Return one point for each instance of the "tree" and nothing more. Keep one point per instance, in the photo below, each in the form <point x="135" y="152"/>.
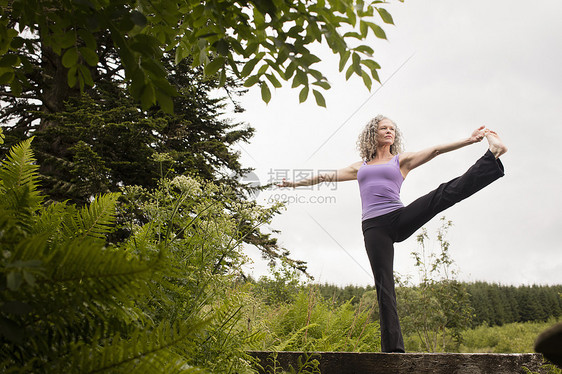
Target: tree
<point x="438" y="309"/>
<point x="103" y="140"/>
<point x="261" y="41"/>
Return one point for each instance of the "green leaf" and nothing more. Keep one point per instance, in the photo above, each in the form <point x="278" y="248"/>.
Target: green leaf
<point x="89" y="55"/>
<point x="290" y="70"/>
<point x="222" y="78"/>
<point x="364" y="49"/>
<point x="236" y="46"/>
<point x="300" y="79"/>
<point x="379" y="32"/>
<point x="72" y="76"/>
<point x="15" y="86"/>
<point x="7" y="78"/>
<point x="310" y="59"/>
<point x="148" y="96"/>
<point x="9" y="60"/>
<point x="350" y="12"/>
<point x="137" y="83"/>
<point x="251" y="81"/>
<point x="319" y="98"/>
<point x="249" y="66"/>
<point x="164" y="85"/>
<point x="165" y="101"/>
<point x="263" y="69"/>
<point x="367" y="80"/>
<point x="214" y="66"/>
<point x="88" y="39"/>
<point x="251" y="48"/>
<point x="386" y="17"/>
<point x="17" y="43"/>
<point x="274" y="80"/>
<point x="86" y="75"/>
<point x="182" y="51"/>
<point x="371" y="64"/>
<point x="349" y="72"/>
<point x="303" y="95"/>
<point x="154" y="67"/>
<point x="343" y="59"/>
<point x="138" y="18"/>
<point x="67" y="40"/>
<point x="295" y="31"/>
<point x="203" y="58"/>
<point x="363" y="28"/>
<point x="222" y="47"/>
<point x="265" y="92"/>
<point x="70" y="58"/>
<point x="356" y="63"/>
<point x="375" y="75"/>
<point x="353" y="34"/>
<point x="325" y="85"/>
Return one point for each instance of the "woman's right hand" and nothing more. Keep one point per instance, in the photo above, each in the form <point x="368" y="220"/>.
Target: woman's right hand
<point x="478" y="134"/>
<point x="285" y="183"/>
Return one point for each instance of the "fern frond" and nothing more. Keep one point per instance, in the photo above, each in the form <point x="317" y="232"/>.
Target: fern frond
<point x="19" y="181"/>
<point x="144" y="351"/>
<point x="94" y="220"/>
<point x="87" y="280"/>
<point x="19" y="169"/>
<point x="49" y="220"/>
<point x="105" y="274"/>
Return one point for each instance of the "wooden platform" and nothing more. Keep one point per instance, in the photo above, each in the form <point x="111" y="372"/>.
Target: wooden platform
<point x="410" y="363"/>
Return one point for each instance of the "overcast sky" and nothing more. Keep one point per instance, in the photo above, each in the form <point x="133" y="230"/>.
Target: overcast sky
<point x="448" y="68"/>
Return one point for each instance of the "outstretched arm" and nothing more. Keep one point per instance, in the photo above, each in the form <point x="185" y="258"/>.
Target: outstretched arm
<point x="344" y="174"/>
<point x="411" y="160"/>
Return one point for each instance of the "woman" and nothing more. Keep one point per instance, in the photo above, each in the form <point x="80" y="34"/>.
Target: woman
<point x="385" y="219"/>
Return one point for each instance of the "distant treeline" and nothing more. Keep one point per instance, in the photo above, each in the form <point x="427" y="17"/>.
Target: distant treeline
<point x="493" y="304"/>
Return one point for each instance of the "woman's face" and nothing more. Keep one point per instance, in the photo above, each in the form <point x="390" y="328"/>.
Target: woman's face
<point x="386" y="132"/>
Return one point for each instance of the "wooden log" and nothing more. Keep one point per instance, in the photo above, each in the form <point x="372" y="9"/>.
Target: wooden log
<point x="407" y="363"/>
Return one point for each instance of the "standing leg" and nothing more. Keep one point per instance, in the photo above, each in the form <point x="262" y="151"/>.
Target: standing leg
<point x="380" y="250"/>
<point x="486" y="170"/>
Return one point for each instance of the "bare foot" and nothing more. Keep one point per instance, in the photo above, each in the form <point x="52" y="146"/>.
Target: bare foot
<point x="496" y="145"/>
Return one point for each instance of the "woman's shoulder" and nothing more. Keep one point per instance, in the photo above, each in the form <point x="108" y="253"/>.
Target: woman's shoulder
<point x="357" y="165"/>
<point x="404" y="156"/>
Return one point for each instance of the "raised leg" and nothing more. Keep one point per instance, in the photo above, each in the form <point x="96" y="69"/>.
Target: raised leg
<point x="486" y="170"/>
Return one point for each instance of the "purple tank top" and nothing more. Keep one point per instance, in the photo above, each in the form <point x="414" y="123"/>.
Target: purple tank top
<point x="379" y="186"/>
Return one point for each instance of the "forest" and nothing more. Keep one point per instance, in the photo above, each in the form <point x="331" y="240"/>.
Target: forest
<point x="492" y="304"/>
<point x="123" y="218"/>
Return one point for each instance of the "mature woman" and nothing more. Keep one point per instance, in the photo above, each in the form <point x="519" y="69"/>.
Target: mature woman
<point x="385" y="219"/>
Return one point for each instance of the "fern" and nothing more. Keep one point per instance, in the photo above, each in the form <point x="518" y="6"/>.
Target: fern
<point x="71" y="303"/>
<point x="19" y="170"/>
<point x="59" y="284"/>
<point x="144" y="351"/>
<point x="95" y="220"/>
<point x="18" y="184"/>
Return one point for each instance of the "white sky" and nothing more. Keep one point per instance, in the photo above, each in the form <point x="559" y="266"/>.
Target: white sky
<point x="493" y="63"/>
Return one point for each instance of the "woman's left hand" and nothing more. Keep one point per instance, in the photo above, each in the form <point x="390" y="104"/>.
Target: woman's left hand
<point x="478" y="134"/>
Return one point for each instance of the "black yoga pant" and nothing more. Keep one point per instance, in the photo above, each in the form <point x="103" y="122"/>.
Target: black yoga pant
<point x="382" y="232"/>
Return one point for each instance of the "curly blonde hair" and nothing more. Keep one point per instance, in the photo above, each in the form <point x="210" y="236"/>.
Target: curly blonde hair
<point x="367" y="141"/>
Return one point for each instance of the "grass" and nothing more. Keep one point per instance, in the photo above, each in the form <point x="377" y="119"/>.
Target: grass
<point x="509" y="338"/>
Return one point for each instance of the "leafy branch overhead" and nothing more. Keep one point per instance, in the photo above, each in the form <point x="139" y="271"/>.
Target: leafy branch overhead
<point x="263" y="42"/>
